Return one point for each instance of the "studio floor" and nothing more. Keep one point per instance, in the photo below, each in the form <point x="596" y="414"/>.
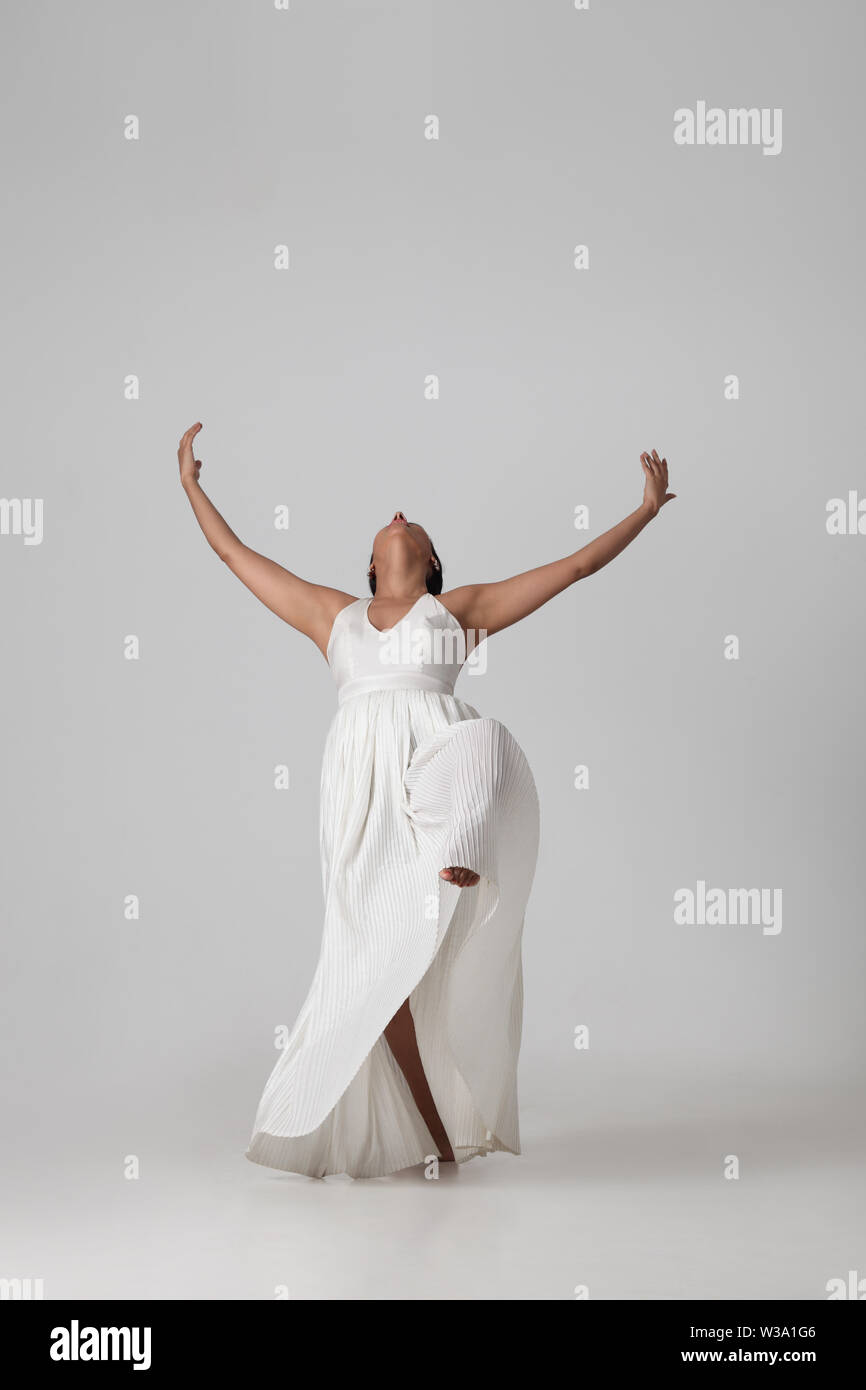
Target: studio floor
<point x="631" y="1203"/>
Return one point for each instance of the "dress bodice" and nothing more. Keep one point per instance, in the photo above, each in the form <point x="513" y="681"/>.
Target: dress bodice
<point x="425" y="650"/>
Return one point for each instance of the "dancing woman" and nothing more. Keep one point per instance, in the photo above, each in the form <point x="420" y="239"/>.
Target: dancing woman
<point x="406" y="1045"/>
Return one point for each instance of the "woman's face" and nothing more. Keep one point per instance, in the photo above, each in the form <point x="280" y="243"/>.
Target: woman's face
<point x="401" y="532"/>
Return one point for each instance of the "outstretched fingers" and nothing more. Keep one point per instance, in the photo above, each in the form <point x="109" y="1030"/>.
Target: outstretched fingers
<point x="656" y="470"/>
<point x="190" y="466"/>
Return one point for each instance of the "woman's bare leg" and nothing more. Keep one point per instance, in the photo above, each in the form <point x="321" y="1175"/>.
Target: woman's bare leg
<point x="400" y="1035"/>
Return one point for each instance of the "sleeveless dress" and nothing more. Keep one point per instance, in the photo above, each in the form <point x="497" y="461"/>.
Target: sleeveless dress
<point x="414" y="780"/>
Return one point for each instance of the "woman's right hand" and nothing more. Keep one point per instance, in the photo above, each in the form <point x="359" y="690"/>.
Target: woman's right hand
<point x="190" y="466"/>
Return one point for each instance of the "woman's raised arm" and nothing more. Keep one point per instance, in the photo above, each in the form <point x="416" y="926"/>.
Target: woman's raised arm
<point x="311" y="608"/>
<point x="492" y="607"/>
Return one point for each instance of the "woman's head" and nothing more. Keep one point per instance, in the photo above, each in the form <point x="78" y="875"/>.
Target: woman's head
<point x="405" y="548"/>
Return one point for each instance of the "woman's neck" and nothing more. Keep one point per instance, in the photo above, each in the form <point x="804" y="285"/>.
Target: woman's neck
<point x="399" y="586"/>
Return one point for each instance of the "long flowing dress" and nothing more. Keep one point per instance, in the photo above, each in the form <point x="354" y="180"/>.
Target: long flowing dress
<point x="414" y="780"/>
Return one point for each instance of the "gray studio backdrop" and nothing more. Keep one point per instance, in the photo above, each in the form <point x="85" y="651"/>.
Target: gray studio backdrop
<point x="709" y="681"/>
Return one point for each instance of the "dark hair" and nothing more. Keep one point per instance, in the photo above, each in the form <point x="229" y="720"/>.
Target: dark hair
<point x="434" y="578"/>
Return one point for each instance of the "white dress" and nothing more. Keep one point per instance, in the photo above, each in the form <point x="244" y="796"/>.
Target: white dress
<point x="413" y="781"/>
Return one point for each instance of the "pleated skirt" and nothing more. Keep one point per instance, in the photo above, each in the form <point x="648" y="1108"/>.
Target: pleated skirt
<point x="412" y="782"/>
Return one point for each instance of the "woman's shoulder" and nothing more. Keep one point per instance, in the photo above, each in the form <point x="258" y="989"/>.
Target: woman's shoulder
<point x="456" y="602"/>
<point x="338" y="613"/>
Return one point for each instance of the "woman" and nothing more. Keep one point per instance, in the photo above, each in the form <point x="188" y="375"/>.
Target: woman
<point x="406" y="1046"/>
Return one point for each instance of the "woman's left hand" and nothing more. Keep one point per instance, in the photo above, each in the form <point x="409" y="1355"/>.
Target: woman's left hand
<point x="655" y="492"/>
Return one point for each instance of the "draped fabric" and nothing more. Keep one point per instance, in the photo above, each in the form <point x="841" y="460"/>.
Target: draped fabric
<point x="413" y="780"/>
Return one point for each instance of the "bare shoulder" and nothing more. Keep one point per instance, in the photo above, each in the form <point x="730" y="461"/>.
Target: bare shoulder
<point x="334" y="600"/>
<point x="331" y="604"/>
<point x="459" y="603"/>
